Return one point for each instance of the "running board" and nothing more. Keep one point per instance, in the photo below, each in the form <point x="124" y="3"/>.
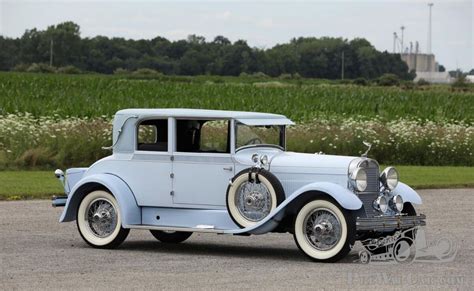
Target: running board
<point x="184" y="229"/>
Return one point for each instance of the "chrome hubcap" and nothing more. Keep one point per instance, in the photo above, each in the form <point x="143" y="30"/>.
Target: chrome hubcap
<point x="101" y="217"/>
<point x="253" y="200"/>
<point x="322" y="229"/>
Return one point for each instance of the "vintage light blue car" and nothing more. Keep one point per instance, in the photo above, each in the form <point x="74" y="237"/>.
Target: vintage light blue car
<point x="179" y="171"/>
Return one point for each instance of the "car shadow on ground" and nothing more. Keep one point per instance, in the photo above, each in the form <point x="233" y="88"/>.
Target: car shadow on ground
<point x="223" y="251"/>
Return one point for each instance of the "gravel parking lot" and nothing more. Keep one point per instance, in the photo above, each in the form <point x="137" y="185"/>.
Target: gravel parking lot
<point x="39" y="253"/>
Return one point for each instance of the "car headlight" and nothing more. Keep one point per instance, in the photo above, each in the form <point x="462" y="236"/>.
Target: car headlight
<point x="389" y="178"/>
<point x="397" y="203"/>
<point x="359" y="179"/>
<point x="381" y="204"/>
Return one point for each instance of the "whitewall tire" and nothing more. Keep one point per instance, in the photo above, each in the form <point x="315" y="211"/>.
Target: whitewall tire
<point x="324" y="231"/>
<point x="248" y="202"/>
<point x="99" y="220"/>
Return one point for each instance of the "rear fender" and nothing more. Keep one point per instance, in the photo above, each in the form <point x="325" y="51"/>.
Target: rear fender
<point x="129" y="209"/>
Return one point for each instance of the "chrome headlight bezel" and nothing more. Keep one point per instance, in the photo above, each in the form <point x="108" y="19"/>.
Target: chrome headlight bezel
<point x="381" y="204"/>
<point x="389" y="178"/>
<point x="397" y="203"/>
<point x="358" y="179"/>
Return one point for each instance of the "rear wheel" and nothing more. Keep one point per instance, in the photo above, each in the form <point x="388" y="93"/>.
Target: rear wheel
<point x="170" y="236"/>
<point x="324" y="231"/>
<point x="99" y="220"/>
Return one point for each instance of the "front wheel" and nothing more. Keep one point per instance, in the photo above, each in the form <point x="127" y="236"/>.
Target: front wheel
<point x="324" y="231"/>
<point x="99" y="220"/>
<point x="170" y="236"/>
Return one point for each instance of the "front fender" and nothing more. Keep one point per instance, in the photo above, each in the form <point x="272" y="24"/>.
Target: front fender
<point x="129" y="209"/>
<point x="343" y="196"/>
<point x="407" y="193"/>
<point x="346" y="198"/>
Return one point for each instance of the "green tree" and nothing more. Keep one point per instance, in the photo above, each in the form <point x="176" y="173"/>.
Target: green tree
<point x="66" y="42"/>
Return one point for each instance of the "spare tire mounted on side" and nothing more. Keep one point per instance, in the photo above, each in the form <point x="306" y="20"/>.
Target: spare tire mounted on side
<point x="252" y="195"/>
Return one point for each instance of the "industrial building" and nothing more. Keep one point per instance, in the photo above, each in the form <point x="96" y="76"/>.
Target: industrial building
<point x="420" y="62"/>
<point x="424" y="64"/>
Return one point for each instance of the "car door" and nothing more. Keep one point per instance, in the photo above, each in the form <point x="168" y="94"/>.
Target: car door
<point x="202" y="163"/>
<point x="148" y="172"/>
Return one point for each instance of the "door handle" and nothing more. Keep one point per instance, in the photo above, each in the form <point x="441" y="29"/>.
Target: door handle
<point x="228" y="169"/>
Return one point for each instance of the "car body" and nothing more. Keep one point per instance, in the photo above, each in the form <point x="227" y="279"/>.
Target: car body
<point x="179" y="171"/>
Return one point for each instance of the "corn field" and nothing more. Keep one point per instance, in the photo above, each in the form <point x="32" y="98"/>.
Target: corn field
<point x="97" y="95"/>
<point x="49" y="121"/>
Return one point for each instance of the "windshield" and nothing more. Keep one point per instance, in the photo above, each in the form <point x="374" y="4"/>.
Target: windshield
<point x="267" y="135"/>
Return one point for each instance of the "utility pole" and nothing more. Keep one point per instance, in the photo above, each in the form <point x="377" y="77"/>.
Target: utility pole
<point x="342" y="66"/>
<point x="430" y="5"/>
<point x="51" y="54"/>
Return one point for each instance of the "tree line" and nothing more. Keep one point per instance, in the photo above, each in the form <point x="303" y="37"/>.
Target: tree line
<point x="305" y="56"/>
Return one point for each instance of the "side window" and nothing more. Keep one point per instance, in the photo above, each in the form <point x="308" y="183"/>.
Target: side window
<point x="206" y="136"/>
<point x="152" y="135"/>
<point x="214" y="136"/>
<point x="147" y="133"/>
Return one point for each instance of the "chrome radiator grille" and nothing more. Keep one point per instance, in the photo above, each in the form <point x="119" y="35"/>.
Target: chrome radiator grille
<point x="371" y="193"/>
<point x="373" y="183"/>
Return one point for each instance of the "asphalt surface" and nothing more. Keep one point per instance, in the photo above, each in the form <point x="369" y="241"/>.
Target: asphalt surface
<point x="36" y="252"/>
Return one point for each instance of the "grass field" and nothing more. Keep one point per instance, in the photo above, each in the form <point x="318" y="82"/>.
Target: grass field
<point x="42" y="184"/>
<point x="97" y="95"/>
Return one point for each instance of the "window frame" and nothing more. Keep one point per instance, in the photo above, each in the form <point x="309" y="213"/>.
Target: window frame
<point x="169" y="143"/>
<point x="281" y="147"/>
<point x="230" y="126"/>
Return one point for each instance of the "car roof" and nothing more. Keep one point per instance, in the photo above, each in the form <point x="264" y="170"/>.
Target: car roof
<point x="199" y="113"/>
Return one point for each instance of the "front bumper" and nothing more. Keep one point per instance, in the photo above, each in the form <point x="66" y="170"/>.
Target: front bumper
<point x="389" y="223"/>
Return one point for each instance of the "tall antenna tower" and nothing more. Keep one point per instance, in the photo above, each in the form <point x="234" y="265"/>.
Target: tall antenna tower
<point x="430" y="5"/>
<point x="403" y="47"/>
<point x="395" y="38"/>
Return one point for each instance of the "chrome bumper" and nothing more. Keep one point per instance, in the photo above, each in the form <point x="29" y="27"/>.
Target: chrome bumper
<point x="389" y="223"/>
<point x="58" y="201"/>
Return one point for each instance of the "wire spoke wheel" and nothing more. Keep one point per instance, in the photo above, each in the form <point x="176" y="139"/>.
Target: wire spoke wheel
<point x="253" y="196"/>
<point x="253" y="200"/>
<point x="99" y="221"/>
<point x="322" y="229"/>
<point x="101" y="217"/>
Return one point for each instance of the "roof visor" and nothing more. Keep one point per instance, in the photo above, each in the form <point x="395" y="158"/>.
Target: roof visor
<point x="265" y="121"/>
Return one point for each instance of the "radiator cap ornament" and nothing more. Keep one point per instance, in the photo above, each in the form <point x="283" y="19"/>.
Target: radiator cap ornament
<point x="369" y="146"/>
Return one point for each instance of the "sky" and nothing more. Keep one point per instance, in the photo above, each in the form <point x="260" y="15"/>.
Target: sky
<point x="262" y="23"/>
